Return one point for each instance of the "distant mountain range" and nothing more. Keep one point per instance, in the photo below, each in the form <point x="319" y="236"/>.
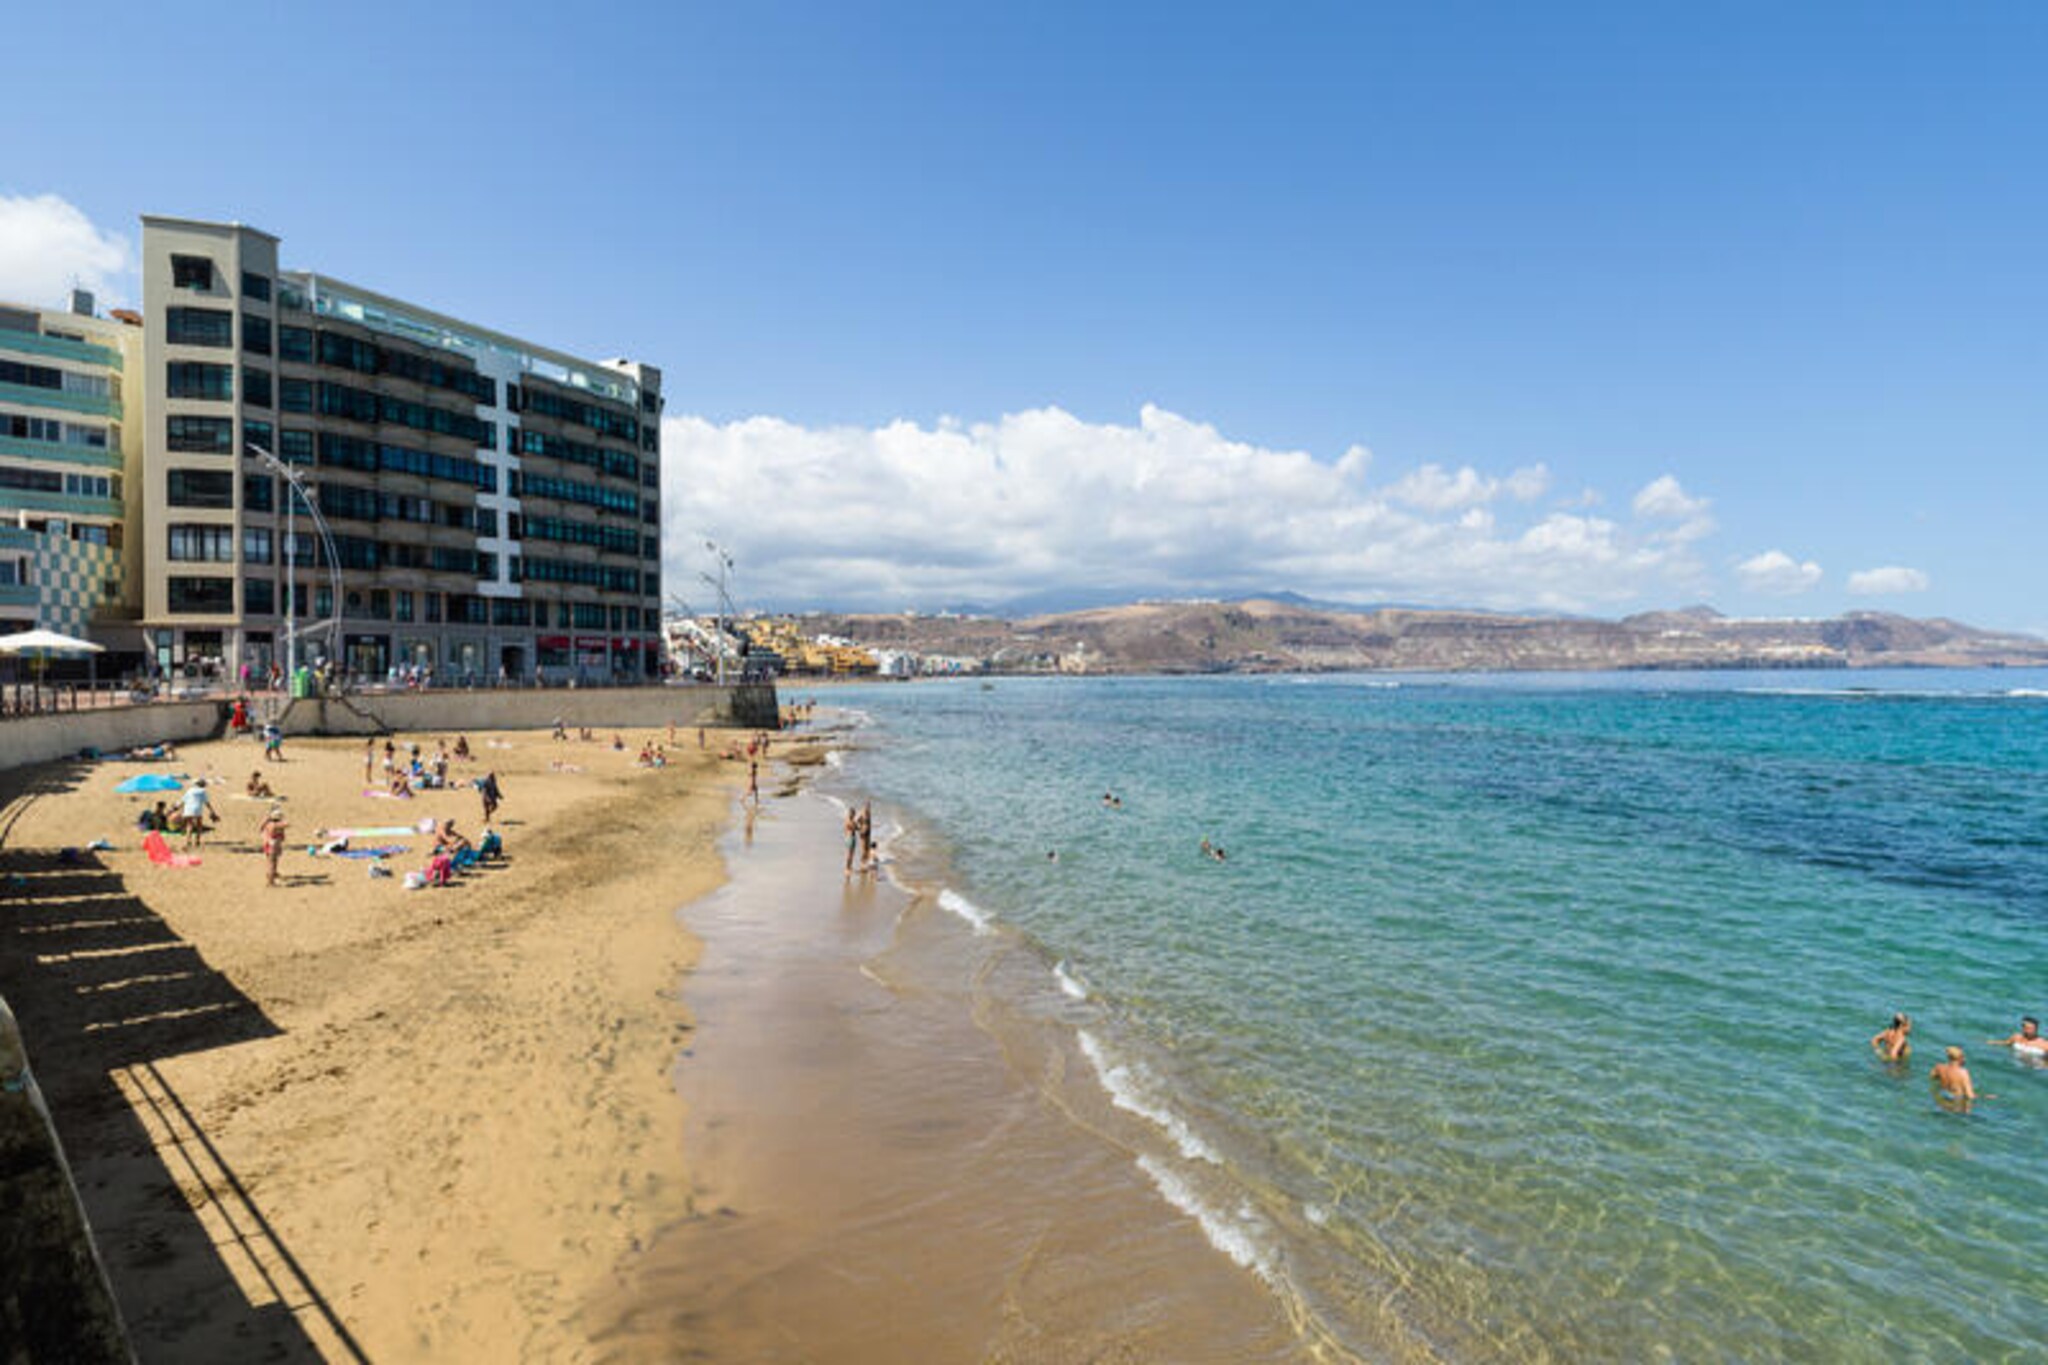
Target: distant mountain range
<point x="1271" y="635"/>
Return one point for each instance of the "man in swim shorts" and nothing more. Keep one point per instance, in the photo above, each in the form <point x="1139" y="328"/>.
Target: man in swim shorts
<point x="2028" y="1039"/>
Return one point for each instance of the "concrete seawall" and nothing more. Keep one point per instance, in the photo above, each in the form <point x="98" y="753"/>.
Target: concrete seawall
<point x="54" y="1300"/>
<point x="39" y="739"/>
<point x="747" y="705"/>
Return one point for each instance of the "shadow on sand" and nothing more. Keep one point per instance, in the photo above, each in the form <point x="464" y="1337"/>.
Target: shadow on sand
<point x="104" y="990"/>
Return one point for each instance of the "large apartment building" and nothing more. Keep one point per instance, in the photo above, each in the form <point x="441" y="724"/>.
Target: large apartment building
<point x="486" y="506"/>
<point x="65" y="453"/>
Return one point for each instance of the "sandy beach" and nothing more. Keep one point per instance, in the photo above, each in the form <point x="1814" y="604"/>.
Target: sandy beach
<point x="338" y="1119"/>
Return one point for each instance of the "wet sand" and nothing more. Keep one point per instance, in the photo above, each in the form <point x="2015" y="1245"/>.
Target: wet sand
<point x="884" y="1171"/>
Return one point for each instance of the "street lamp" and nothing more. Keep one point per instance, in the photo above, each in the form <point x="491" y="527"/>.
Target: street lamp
<point x="289" y="556"/>
<point x="725" y="566"/>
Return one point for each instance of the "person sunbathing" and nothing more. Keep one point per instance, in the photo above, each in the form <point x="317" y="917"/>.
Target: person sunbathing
<point x="401" y="785"/>
<point x="462" y="747"/>
<point x="258" y="787"/>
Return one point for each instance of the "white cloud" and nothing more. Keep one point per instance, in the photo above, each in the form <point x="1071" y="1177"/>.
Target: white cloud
<point x="1883" y="582"/>
<point x="1778" y="574"/>
<point x="1433" y="489"/>
<point x="1040" y="501"/>
<point x="47" y="246"/>
<point x="1666" y="499"/>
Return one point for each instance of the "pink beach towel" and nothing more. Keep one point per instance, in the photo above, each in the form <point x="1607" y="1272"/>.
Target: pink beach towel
<point x="160" y="853"/>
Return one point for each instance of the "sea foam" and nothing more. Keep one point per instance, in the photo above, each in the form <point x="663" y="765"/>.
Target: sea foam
<point x="955" y="903"/>
<point x="1130" y="1089"/>
<point x="1073" y="989"/>
<point x="1237" y="1238"/>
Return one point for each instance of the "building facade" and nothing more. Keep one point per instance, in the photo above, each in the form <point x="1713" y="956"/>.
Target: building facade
<point x="65" y="457"/>
<point x="330" y="474"/>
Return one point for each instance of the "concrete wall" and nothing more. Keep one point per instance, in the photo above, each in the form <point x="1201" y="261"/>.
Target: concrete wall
<point x="54" y="1300"/>
<point x="38" y="739"/>
<point x="752" y="705"/>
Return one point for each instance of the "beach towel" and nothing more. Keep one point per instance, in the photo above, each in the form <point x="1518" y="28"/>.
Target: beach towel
<point x="381" y="851"/>
<point x="383" y="795"/>
<point x="150" y="782"/>
<point x="368" y="832"/>
<point x="160" y="853"/>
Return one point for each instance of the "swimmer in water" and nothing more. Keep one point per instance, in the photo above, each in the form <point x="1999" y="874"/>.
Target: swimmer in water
<point x="2027" y="1040"/>
<point x="1952" y="1081"/>
<point x="1894" y="1044"/>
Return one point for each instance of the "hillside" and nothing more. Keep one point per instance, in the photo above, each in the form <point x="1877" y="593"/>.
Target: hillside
<point x="1269" y="636"/>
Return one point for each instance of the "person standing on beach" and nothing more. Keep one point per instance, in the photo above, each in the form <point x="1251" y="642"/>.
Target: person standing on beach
<point x="852" y="835"/>
<point x="487" y="788"/>
<point x="369" y="760"/>
<point x="1893" y="1044"/>
<point x="273" y="742"/>
<point x="867" y="837"/>
<point x="754" y="781"/>
<point x="196" y="812"/>
<point x="2027" y="1040"/>
<point x="272" y="834"/>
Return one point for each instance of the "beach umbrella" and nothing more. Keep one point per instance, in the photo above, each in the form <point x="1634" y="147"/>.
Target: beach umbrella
<point x="151" y="782"/>
<point x="47" y="644"/>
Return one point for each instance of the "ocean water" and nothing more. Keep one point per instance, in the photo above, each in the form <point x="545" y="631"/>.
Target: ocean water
<point x="1527" y="1017"/>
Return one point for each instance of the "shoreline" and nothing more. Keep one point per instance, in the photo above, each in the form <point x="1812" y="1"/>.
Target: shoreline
<point x="882" y="1172"/>
<point x="337" y="1119"/>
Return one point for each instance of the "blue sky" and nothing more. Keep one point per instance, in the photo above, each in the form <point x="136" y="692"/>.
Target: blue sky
<point x="1631" y="305"/>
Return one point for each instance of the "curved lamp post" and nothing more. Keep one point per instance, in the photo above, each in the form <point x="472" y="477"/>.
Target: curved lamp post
<point x="289" y="554"/>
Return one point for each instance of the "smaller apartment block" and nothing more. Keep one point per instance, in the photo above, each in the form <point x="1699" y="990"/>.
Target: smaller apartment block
<point x="65" y="453"/>
<point x="493" y="505"/>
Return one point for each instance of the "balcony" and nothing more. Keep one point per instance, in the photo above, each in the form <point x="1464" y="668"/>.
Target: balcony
<point x="84" y="352"/>
<point x="29" y="396"/>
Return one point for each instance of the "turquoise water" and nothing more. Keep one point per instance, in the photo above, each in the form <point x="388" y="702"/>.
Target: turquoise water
<point x="1527" y="1018"/>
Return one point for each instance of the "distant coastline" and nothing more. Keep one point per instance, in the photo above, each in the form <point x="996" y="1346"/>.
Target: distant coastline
<point x="1267" y="636"/>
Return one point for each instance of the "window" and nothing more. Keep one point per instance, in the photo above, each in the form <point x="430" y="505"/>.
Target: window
<point x="255" y="544"/>
<point x="255" y="387"/>
<point x="197" y="379"/>
<point x="323" y="601"/>
<point x="589" y="616"/>
<point x="259" y="493"/>
<point x="89" y="485"/>
<point x="433" y="608"/>
<point x="380" y="603"/>
<point x="211" y="596"/>
<point x="295" y="343"/>
<point x="401" y="607"/>
<point x="508" y="611"/>
<point x="295" y="395"/>
<point x="259" y="597"/>
<point x="199" y="327"/>
<point x="255" y="334"/>
<point x="256" y="287"/>
<point x="200" y="488"/>
<point x="201" y="435"/>
<point x="257" y="434"/>
<point x="191" y="272"/>
<point x="295" y="447"/>
<point x="202" y="544"/>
